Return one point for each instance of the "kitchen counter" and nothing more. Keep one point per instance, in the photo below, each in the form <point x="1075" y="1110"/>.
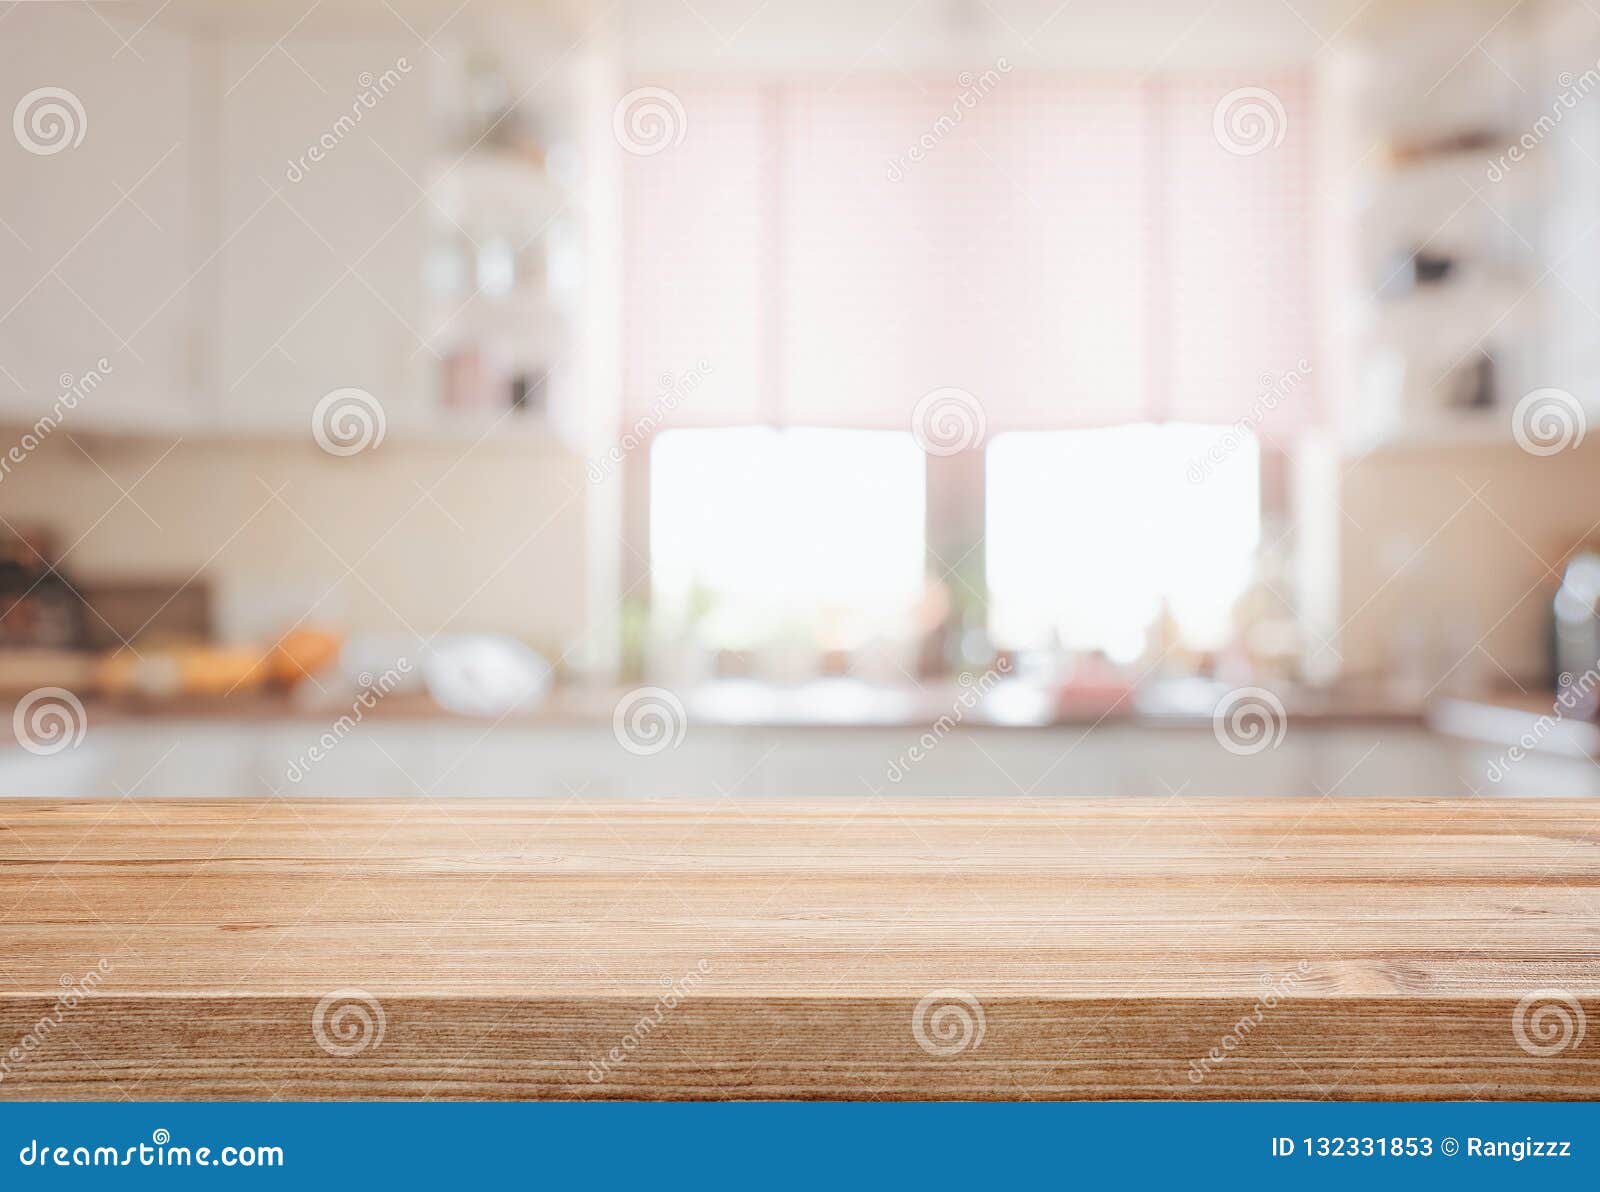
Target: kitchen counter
<point x="739" y="948"/>
<point x="825" y="703"/>
<point x="1523" y="723"/>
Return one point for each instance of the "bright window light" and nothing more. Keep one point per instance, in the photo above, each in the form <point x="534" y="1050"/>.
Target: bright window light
<point x="1089" y="532"/>
<point x="759" y="534"/>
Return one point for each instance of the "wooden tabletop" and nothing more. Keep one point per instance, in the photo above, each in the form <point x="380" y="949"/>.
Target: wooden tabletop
<point x="835" y="948"/>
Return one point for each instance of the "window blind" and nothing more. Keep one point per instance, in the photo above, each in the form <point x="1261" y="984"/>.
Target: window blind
<point x="1071" y="250"/>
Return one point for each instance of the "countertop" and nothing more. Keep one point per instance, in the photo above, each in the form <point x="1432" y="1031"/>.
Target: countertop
<point x="741" y="948"/>
<point x="825" y="703"/>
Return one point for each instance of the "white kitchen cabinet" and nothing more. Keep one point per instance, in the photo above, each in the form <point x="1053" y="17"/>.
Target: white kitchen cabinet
<point x="94" y="250"/>
<point x="320" y="282"/>
<point x="250" y="218"/>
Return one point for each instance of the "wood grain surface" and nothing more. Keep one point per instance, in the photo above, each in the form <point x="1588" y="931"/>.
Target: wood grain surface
<point x="738" y="948"/>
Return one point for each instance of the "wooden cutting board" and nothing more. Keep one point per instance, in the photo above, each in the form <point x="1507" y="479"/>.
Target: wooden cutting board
<point x="737" y="948"/>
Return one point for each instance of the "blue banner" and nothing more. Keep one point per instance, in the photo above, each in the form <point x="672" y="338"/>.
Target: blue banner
<point x="832" y="1145"/>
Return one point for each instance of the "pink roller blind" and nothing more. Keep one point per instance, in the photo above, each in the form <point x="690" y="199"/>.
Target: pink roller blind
<point x="698" y="282"/>
<point x="1073" y="251"/>
<point x="1240" y="237"/>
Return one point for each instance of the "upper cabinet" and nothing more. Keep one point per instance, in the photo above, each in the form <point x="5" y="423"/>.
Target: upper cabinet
<point x="303" y="233"/>
<point x="95" y="248"/>
<point x="323" y="155"/>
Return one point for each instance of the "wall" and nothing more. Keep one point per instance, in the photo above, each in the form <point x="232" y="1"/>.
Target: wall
<point x="1452" y="552"/>
<point x="406" y="538"/>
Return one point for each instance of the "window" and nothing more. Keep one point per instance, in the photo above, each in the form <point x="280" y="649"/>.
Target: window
<point x="1090" y="533"/>
<point x="1078" y="252"/>
<point x="760" y="535"/>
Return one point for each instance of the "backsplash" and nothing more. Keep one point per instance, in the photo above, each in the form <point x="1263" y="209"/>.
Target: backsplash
<point x="408" y="538"/>
<point x="1455" y="552"/>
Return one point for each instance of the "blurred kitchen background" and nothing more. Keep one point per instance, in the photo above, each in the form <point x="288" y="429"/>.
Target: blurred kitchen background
<point x="752" y="396"/>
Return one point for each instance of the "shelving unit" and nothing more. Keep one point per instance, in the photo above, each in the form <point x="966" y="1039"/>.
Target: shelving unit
<point x="1443" y="303"/>
<point x="504" y="272"/>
